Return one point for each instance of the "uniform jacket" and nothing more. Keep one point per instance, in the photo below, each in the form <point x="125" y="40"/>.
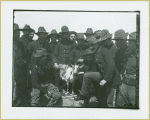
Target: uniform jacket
<point x="120" y="59"/>
<point x="76" y="54"/>
<point x="25" y="44"/>
<point x="62" y="51"/>
<point x="106" y="65"/>
<point x="105" y="62"/>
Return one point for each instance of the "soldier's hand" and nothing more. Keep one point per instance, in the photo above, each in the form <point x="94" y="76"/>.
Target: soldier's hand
<point x="56" y="65"/>
<point x="102" y="83"/>
<point x="93" y="99"/>
<point x="80" y="60"/>
<point x="46" y="96"/>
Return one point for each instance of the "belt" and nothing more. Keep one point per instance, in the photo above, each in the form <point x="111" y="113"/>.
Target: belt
<point x="129" y="81"/>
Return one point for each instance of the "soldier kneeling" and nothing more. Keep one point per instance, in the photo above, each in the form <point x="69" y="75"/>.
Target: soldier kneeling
<point x="43" y="78"/>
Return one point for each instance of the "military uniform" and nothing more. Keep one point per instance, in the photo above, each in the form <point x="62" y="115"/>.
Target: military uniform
<point x="120" y="59"/>
<point x="53" y="46"/>
<point x="127" y="94"/>
<point x="43" y="79"/>
<point x="77" y="53"/>
<point x="19" y="74"/>
<point x="106" y="66"/>
<point x="62" y="52"/>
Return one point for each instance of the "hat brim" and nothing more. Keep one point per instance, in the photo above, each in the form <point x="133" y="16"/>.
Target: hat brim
<point x="64" y="32"/>
<point x="89" y="33"/>
<point x="41" y="32"/>
<point x="39" y="55"/>
<point x="27" y="29"/>
<point x="109" y="36"/>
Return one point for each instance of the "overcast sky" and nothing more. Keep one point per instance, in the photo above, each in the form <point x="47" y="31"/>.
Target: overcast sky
<point x="77" y="21"/>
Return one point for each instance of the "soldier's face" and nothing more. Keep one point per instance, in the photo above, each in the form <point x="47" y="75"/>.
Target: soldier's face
<point x="31" y="35"/>
<point x="120" y="43"/>
<point x="53" y="38"/>
<point x="80" y="42"/>
<point x="72" y="37"/>
<point x="26" y="34"/>
<point x="17" y="35"/>
<point x="42" y="59"/>
<point x="131" y="45"/>
<point x="108" y="42"/>
<point x="66" y="36"/>
<point x="42" y="36"/>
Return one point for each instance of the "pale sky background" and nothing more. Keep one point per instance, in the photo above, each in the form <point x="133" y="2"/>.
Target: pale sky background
<point x="77" y="21"/>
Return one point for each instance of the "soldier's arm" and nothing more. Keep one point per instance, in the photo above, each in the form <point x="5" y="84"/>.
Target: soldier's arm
<point x="30" y="50"/>
<point x="72" y="56"/>
<point x="110" y="67"/>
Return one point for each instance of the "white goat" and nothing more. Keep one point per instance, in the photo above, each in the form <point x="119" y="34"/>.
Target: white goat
<point x="67" y="74"/>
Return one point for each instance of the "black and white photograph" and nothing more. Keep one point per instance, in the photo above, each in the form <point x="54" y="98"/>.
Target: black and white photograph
<point x="73" y="62"/>
<point x="76" y="58"/>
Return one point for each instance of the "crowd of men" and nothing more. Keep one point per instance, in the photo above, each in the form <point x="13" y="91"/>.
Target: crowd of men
<point x="108" y="68"/>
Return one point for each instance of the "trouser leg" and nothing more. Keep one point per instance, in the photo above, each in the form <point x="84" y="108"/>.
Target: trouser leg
<point x="35" y="97"/>
<point x="131" y="95"/>
<point x="87" y="79"/>
<point x="74" y="84"/>
<point x="122" y="98"/>
<point x="111" y="98"/>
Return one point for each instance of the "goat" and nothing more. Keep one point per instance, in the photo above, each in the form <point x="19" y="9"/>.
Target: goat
<point x="67" y="74"/>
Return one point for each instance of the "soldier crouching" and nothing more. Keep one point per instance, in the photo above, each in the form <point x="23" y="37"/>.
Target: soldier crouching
<point x="43" y="78"/>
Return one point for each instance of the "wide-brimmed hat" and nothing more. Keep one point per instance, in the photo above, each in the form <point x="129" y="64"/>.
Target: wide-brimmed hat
<point x="120" y="34"/>
<point x="105" y="34"/>
<point x="64" y="29"/>
<point x="16" y="27"/>
<point x="80" y="36"/>
<point x="97" y="33"/>
<point x="93" y="40"/>
<point x="132" y="36"/>
<point x="88" y="52"/>
<point x="27" y="27"/>
<point x="53" y="32"/>
<point x="40" y="52"/>
<point x="89" y="31"/>
<point x="41" y="30"/>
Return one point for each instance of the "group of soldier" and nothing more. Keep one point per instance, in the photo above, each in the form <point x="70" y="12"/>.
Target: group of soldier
<point x="109" y="68"/>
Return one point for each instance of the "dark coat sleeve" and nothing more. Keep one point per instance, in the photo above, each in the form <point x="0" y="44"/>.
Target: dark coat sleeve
<point x="72" y="56"/>
<point x="110" y="65"/>
<point x="30" y="50"/>
<point x="34" y="80"/>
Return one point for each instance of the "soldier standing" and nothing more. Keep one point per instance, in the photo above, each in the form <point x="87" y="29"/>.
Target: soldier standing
<point x="127" y="94"/>
<point x="121" y="42"/>
<point x="64" y="47"/>
<point x="19" y="75"/>
<point x="53" y="39"/>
